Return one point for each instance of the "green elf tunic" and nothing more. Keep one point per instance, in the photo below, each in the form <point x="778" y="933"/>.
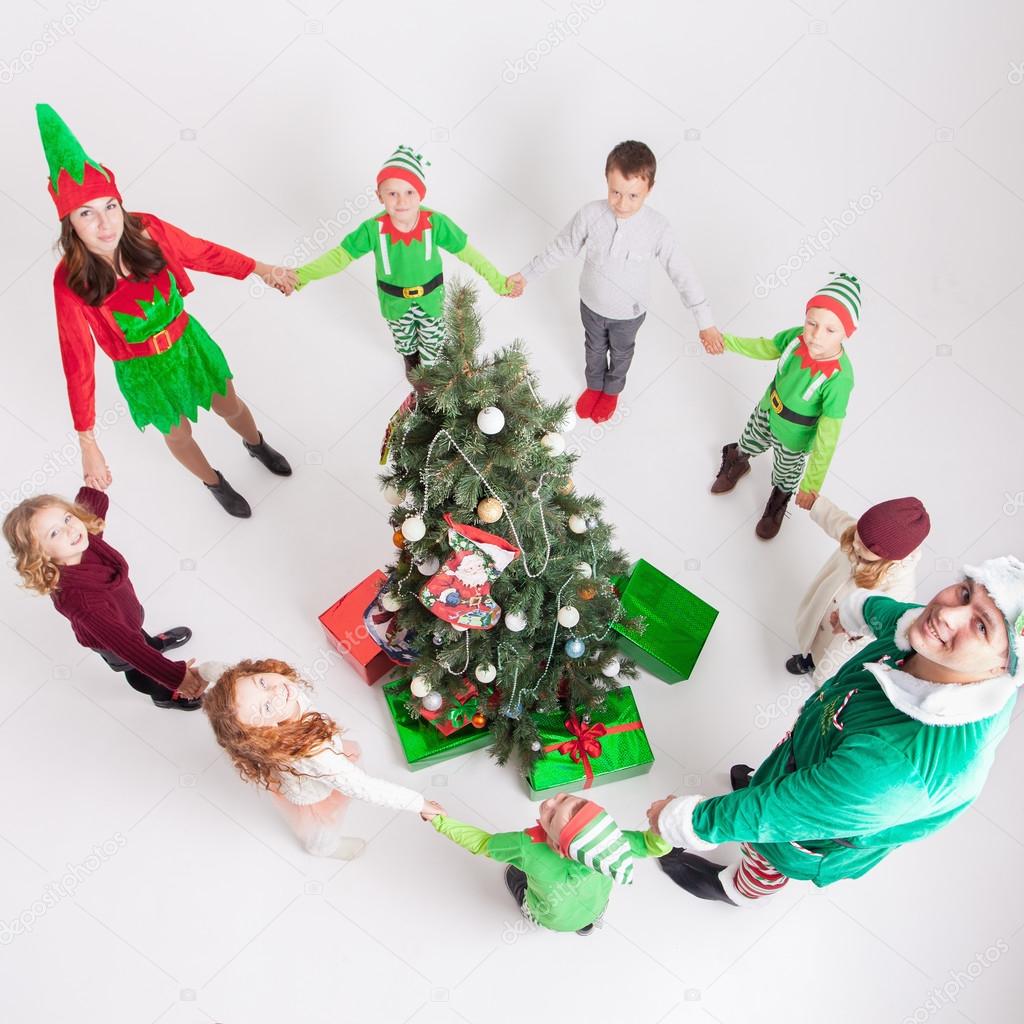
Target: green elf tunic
<point x="562" y="894"/>
<point x="410" y="261"/>
<point x="818" y="391"/>
<point x="877" y="758"/>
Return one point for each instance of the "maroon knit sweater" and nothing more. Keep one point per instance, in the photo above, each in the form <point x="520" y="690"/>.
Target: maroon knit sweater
<point x="99" y="599"/>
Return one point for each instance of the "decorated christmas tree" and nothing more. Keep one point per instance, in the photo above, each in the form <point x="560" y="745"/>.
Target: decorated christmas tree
<point x="503" y="579"/>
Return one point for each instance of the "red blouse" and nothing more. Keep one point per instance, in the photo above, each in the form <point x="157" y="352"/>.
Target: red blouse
<point x="81" y="327"/>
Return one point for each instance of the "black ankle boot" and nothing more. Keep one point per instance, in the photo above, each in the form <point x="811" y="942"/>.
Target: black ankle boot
<point x="182" y="704"/>
<point x="273" y="460"/>
<point x="740" y="775"/>
<point x="515" y="882"/>
<point x="697" y="876"/>
<point x="169" y="639"/>
<point x="800" y="664"/>
<point x="230" y="500"/>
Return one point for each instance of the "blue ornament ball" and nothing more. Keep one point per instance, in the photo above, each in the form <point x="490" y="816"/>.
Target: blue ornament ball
<point x="515" y="712"/>
<point x="575" y="648"/>
<point x="451" y="598"/>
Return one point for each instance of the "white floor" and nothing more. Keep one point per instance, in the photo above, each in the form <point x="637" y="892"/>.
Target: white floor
<point x="253" y="124"/>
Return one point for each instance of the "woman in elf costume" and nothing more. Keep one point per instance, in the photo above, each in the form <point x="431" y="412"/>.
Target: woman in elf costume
<point x="120" y="284"/>
<point x="802" y="411"/>
<point x="891" y="749"/>
<point x="406" y="241"/>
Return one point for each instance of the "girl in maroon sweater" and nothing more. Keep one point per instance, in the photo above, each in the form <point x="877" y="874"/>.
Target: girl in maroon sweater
<point x="59" y="550"/>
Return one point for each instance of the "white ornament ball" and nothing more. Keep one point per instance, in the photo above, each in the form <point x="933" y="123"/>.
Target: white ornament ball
<point x="433" y="701"/>
<point x="568" y="616"/>
<point x="515" y="621"/>
<point x="419" y="687"/>
<point x="611" y="670"/>
<point x="554" y="443"/>
<point x="584" y="571"/>
<point x="490" y="420"/>
<point x="393" y="496"/>
<point x="569" y="421"/>
<point x="576" y="523"/>
<point x="414" y="528"/>
<point x="485" y="673"/>
<point x="429" y="565"/>
<point x="390" y="602"/>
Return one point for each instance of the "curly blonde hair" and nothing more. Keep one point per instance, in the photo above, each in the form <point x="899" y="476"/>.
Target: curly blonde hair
<point x="867" y="575"/>
<point x="38" y="572"/>
<point x="263" y="753"/>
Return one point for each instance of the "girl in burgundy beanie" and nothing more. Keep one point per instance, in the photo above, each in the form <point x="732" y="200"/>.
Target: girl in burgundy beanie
<point x="879" y="551"/>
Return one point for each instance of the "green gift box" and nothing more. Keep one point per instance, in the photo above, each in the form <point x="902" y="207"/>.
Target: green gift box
<point x="678" y="623"/>
<point x="580" y="751"/>
<point x="422" y="742"/>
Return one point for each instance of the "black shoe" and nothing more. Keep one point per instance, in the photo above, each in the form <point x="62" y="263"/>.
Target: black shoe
<point x="230" y="500"/>
<point x="587" y="930"/>
<point x="184" y="704"/>
<point x="697" y="876"/>
<point x="800" y="664"/>
<point x="273" y="460"/>
<point x="740" y="775"/>
<point x="171" y="638"/>
<point x="515" y="882"/>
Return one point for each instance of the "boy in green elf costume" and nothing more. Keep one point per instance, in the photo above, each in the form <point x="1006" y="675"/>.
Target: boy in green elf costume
<point x="561" y="871"/>
<point x="406" y="241"/>
<point x="891" y="749"/>
<point x="802" y="411"/>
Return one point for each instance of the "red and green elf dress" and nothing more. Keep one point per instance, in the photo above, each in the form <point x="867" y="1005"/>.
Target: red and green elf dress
<point x="165" y="363"/>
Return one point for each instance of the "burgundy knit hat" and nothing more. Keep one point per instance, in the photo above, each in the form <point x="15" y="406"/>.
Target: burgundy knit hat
<point x="893" y="529"/>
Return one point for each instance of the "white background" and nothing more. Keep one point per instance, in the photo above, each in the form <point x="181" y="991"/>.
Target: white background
<point x="250" y="123"/>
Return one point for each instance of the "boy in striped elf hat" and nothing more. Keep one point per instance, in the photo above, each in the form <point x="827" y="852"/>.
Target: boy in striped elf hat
<point x="561" y="871"/>
<point x="802" y="411"/>
<point x="406" y="240"/>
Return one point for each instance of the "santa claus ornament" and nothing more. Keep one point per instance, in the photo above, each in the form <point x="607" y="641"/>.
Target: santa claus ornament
<point x="460" y="592"/>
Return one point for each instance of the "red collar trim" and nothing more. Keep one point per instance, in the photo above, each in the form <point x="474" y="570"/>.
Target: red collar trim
<point x="413" y="235"/>
<point x="537" y="833"/>
<point x="808" y="362"/>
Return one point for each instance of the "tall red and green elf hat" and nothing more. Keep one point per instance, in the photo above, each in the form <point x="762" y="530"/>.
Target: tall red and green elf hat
<point x="75" y="178"/>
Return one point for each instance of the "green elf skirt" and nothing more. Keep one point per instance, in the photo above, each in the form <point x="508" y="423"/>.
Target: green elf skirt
<point x="160" y="389"/>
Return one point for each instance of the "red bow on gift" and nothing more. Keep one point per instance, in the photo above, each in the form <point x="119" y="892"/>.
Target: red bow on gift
<point x="585" y="743"/>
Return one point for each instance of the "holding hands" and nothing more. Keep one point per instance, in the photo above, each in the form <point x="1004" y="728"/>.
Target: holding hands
<point x="95" y="471"/>
<point x="654" y="812"/>
<point x="283" y="279"/>
<point x="711" y="339"/>
<point x="516" y="285"/>
<point x="806" y="499"/>
<point x="192" y="685"/>
<point x="431" y="809"/>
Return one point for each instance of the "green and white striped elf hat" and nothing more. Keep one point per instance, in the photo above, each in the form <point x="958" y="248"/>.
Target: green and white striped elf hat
<point x="408" y="165"/>
<point x="842" y="297"/>
<point x="591" y="837"/>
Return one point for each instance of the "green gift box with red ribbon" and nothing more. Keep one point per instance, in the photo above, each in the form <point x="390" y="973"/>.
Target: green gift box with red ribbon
<point x="423" y="743"/>
<point x="580" y="750"/>
<point x="678" y="623"/>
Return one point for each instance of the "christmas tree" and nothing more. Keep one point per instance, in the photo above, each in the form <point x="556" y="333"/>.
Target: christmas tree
<point x="504" y="571"/>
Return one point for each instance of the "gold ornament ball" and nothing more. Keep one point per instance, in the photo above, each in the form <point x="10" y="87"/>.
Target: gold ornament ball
<point x="489" y="510"/>
<point x="567" y="487"/>
<point x="587" y="592"/>
<point x="398" y="539"/>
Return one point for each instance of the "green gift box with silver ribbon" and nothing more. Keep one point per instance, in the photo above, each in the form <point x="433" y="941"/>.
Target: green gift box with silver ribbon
<point x="678" y="623"/>
<point x="422" y="742"/>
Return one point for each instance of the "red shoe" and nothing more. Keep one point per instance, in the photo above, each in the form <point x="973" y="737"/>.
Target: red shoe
<point x="604" y="407"/>
<point x="585" y="403"/>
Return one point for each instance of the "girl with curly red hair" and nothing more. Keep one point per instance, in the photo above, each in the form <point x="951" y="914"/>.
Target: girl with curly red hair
<point x="263" y="717"/>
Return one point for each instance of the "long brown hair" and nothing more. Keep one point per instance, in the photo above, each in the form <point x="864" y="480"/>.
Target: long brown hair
<point x="263" y="753"/>
<point x="866" y="575"/>
<point x="91" y="278"/>
<point x="38" y="572"/>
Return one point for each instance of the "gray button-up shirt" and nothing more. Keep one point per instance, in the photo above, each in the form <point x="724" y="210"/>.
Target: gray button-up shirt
<point x="618" y="256"/>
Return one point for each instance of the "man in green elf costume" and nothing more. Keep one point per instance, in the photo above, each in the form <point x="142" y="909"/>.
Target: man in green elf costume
<point x="892" y="748"/>
<point x="406" y="242"/>
<point x="802" y="410"/>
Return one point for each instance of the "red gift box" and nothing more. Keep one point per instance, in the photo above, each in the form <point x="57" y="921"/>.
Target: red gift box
<point x="441" y="720"/>
<point x="347" y="633"/>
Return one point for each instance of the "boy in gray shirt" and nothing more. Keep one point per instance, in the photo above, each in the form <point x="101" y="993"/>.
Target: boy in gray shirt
<point x="620" y="238"/>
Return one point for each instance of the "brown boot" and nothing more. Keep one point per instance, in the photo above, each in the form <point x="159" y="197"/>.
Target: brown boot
<point x="774" y="512"/>
<point x="734" y="465"/>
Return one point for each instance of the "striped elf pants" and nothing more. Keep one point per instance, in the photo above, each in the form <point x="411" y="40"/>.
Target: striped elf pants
<point x="787" y="465"/>
<point x="755" y="877"/>
<point x="415" y="333"/>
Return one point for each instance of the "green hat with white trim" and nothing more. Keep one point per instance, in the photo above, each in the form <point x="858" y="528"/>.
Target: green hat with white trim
<point x="408" y="165"/>
<point x="842" y="297"/>
<point x="592" y="838"/>
<point x="1003" y="578"/>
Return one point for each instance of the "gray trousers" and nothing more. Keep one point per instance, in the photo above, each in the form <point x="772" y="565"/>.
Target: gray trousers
<point x="609" y="345"/>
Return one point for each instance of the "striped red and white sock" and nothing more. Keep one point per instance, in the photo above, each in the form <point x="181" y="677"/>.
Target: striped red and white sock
<point x="755" y="877"/>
